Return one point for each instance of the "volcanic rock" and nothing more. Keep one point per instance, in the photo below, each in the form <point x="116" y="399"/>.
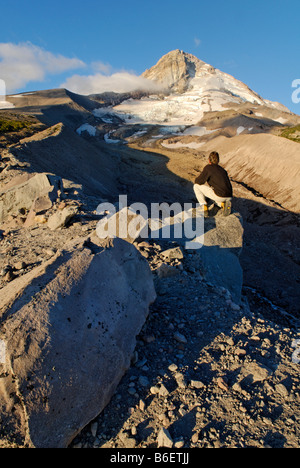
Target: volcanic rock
<point x="69" y="329"/>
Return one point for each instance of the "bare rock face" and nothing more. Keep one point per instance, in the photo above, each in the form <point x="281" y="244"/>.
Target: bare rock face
<point x="67" y="333"/>
<point x="174" y="70"/>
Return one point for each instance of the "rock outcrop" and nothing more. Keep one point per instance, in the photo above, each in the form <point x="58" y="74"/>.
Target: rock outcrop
<point x="69" y="331"/>
<point x="174" y="70"/>
<point x="223" y="242"/>
<point x="37" y="191"/>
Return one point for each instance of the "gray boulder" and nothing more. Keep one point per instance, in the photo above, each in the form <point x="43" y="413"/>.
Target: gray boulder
<point x="223" y="269"/>
<point x="218" y="256"/>
<point x="223" y="242"/>
<point x="61" y="218"/>
<point x="225" y="232"/>
<point x="67" y="332"/>
<point x="24" y="190"/>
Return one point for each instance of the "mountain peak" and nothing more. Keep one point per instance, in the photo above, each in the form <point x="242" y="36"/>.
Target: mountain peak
<point x="180" y="72"/>
<point x="175" y="69"/>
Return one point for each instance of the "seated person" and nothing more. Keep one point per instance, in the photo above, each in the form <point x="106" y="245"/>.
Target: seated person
<point x="214" y="183"/>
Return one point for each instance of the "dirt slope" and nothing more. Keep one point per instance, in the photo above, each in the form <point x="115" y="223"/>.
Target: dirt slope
<point x="267" y="163"/>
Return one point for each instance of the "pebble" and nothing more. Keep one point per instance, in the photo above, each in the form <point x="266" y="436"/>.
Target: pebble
<point x="173" y="367"/>
<point x="197" y="384"/>
<point x="94" y="428"/>
<point x="222" y="384"/>
<point x="144" y="381"/>
<point x="179" y="444"/>
<point x="180" y="380"/>
<point x="20" y="265"/>
<point x="6" y="269"/>
<point x="9" y="276"/>
<point x="142" y="405"/>
<point x="128" y="442"/>
<point x="282" y="390"/>
<point x="180" y="338"/>
<point x="164" y="438"/>
<point x="163" y="391"/>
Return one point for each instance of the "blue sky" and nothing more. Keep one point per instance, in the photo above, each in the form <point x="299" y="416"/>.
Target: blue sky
<point x="44" y="44"/>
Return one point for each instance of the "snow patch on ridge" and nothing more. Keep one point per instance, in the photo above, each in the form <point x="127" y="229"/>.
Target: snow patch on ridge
<point x="87" y="128"/>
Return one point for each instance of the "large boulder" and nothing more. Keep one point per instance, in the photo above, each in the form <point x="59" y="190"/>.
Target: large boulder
<point x="219" y="253"/>
<point x="27" y="189"/>
<point x="223" y="242"/>
<point x="68" y="332"/>
<point x="225" y="232"/>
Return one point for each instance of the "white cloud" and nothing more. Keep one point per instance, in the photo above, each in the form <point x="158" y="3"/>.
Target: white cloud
<point x="25" y="62"/>
<point x="197" y="41"/>
<point x="119" y="82"/>
<point x="101" y="67"/>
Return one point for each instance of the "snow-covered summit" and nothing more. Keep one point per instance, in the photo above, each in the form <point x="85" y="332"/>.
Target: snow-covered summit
<point x="181" y="72"/>
<point x="190" y="87"/>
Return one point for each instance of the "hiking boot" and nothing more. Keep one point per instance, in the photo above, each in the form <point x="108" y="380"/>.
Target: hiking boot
<point x="214" y="210"/>
<point x="226" y="207"/>
<point x="205" y="211"/>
